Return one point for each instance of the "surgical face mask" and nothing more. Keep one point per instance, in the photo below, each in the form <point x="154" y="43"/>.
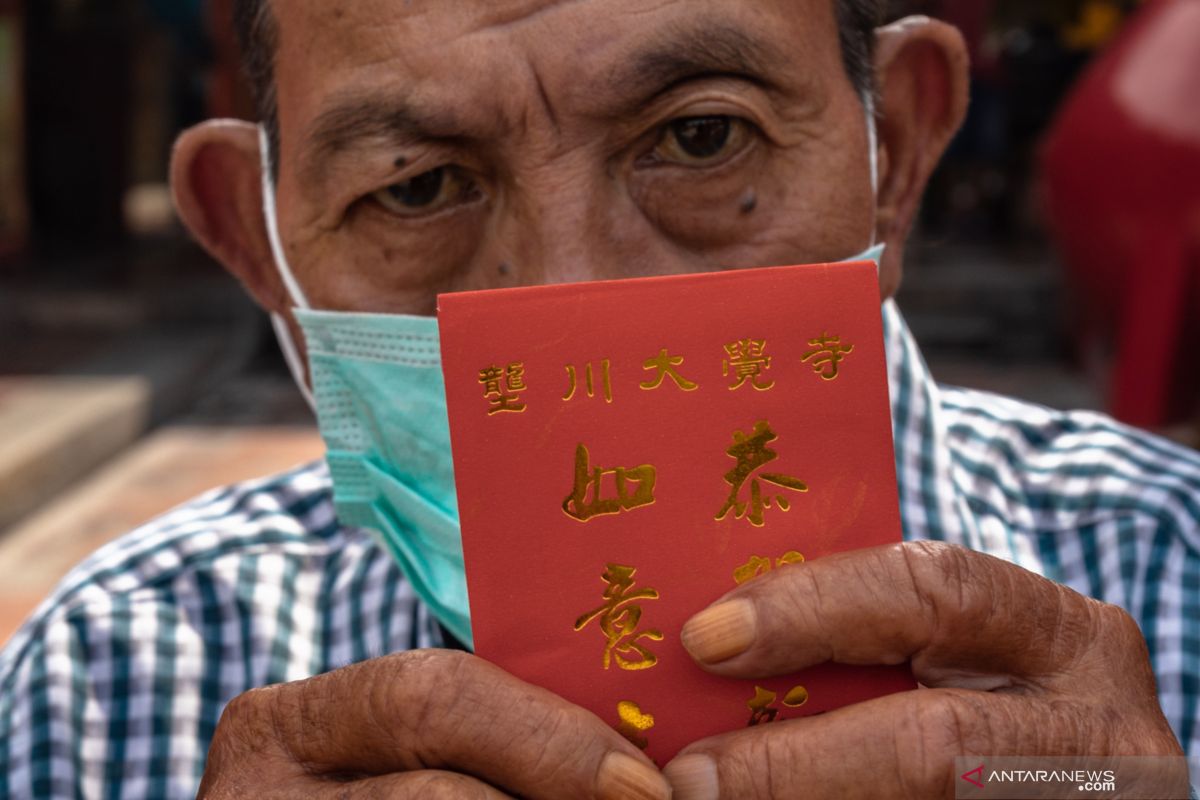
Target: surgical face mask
<point x="380" y="403"/>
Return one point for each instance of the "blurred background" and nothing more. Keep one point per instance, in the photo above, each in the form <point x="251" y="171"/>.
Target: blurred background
<point x="1056" y="259"/>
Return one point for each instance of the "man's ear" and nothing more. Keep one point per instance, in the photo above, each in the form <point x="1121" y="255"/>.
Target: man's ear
<point x="921" y="66"/>
<point x="216" y="178"/>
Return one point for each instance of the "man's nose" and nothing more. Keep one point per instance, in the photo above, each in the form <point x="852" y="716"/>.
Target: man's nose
<point x="576" y="226"/>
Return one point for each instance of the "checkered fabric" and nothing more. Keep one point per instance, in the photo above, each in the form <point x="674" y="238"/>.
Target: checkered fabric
<point x="113" y="688"/>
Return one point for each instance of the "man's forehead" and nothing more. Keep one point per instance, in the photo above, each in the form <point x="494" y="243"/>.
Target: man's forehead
<point x="349" y="26"/>
<point x="464" y="13"/>
<point x="481" y="64"/>
<point x="362" y="33"/>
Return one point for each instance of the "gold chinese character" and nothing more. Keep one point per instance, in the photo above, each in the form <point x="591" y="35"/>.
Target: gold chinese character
<point x="751" y="453"/>
<point x="586" y="500"/>
<point x="748" y="363"/>
<point x="666" y="364"/>
<point x="500" y="387"/>
<point x="589" y="382"/>
<point x="790" y="557"/>
<point x="762" y="707"/>
<point x="515" y="376"/>
<point x="634" y="723"/>
<point x="829" y="353"/>
<point x="619" y="618"/>
<point x="796" y="697"/>
<point x="757" y="565"/>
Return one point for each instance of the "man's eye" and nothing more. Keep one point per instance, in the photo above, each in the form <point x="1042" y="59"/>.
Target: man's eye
<point x="426" y="193"/>
<point x="701" y="140"/>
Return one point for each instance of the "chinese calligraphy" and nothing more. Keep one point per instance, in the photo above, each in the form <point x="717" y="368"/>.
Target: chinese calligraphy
<point x="501" y="387"/>
<point x="634" y="723"/>
<point x="586" y="499"/>
<point x="666" y="364"/>
<point x="829" y="353"/>
<point x="757" y="565"/>
<point x="748" y="362"/>
<point x="751" y="453"/>
<point x="589" y="382"/>
<point x="762" y="705"/>
<point x="619" y="618"/>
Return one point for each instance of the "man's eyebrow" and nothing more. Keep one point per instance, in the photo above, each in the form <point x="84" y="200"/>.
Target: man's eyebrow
<point x="360" y="116"/>
<point x="681" y="54"/>
<point x="687" y="53"/>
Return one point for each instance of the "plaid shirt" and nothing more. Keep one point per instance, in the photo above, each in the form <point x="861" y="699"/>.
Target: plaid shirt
<point x="114" y="687"/>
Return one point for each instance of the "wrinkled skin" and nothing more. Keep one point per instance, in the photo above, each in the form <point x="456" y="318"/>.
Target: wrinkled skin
<point x="430" y="146"/>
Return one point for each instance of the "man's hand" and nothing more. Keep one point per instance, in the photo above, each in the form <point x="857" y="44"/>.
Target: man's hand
<point x="428" y="724"/>
<point x="1015" y="665"/>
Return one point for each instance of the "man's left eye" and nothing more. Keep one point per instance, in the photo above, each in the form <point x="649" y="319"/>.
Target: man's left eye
<point x="698" y="141"/>
<point x="427" y="193"/>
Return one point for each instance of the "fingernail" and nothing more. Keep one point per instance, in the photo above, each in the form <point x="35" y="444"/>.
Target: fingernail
<point x="693" y="777"/>
<point x="623" y="777"/>
<point x="720" y="632"/>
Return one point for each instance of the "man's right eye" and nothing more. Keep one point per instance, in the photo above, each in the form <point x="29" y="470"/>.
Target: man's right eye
<point x="427" y="193"/>
<point x="705" y="141"/>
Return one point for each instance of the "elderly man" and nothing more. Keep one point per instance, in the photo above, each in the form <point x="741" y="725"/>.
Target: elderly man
<point x="417" y="147"/>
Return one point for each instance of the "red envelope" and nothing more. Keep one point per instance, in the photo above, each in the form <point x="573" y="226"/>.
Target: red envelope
<point x="627" y="452"/>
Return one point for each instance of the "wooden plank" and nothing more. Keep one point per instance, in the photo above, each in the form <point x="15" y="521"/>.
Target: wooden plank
<point x="56" y="429"/>
<point x="168" y="468"/>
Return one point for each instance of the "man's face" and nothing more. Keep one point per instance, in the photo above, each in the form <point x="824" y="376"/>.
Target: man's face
<point x="431" y="146"/>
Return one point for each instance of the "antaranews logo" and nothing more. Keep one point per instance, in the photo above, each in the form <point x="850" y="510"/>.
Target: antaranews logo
<point x="1088" y="780"/>
<point x="974" y="776"/>
<point x="1070" y="778"/>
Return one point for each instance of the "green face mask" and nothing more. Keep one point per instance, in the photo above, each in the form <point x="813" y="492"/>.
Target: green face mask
<point x="381" y="406"/>
<point x="380" y="401"/>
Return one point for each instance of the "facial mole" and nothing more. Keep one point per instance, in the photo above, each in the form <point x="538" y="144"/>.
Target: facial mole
<point x="748" y="202"/>
<point x="400" y="162"/>
<point x="503" y="268"/>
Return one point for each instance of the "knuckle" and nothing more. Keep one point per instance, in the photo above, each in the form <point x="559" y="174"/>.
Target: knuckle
<point x="455" y="702"/>
<point x="942" y="723"/>
<point x="419" y="675"/>
<point x="1073" y="728"/>
<point x="244" y="710"/>
<point x="248" y="722"/>
<point x="1118" y="647"/>
<point x="939" y="725"/>
<point x="1117" y="626"/>
<point x="441" y="704"/>
<point x="410" y="691"/>
<point x="303" y="718"/>
<point x="446" y="786"/>
<point x="936" y="564"/>
<point x="1104" y="728"/>
<point x="773" y="760"/>
<point x="243" y="734"/>
<point x="754" y="766"/>
<point x="936" y="729"/>
<point x="799" y="597"/>
<point x="946" y="580"/>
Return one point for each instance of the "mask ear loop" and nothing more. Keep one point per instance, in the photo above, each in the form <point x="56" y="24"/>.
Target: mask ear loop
<point x="283" y="333"/>
<point x="868" y="100"/>
<point x="875" y="250"/>
<point x="872" y="140"/>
